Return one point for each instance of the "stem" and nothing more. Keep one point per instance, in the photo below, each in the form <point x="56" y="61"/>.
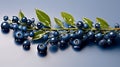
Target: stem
<point x="68" y="29"/>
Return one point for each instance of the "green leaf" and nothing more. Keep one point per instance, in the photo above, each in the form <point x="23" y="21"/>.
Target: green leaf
<point x="69" y="19"/>
<point x="59" y="22"/>
<point x="38" y="35"/>
<point x="21" y="15"/>
<point x="43" y="17"/>
<point x="102" y="22"/>
<point x="88" y="21"/>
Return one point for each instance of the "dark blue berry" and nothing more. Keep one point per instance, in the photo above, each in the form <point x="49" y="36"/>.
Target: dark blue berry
<point x="65" y="37"/>
<point x="86" y="25"/>
<point x="79" y="34"/>
<point x="98" y="36"/>
<point x="29" y="22"/>
<point x="18" y="35"/>
<point x="79" y="24"/>
<point x="53" y="40"/>
<point x="26" y="35"/>
<point x="24" y="28"/>
<point x="26" y="44"/>
<point x="56" y="33"/>
<point x="72" y="35"/>
<point x="45" y="37"/>
<point x="15" y="19"/>
<point x="91" y="35"/>
<point x="63" y="44"/>
<point x="15" y="26"/>
<point x="85" y="38"/>
<point x="5" y="25"/>
<point x="117" y="25"/>
<point x="97" y="25"/>
<point x="112" y="34"/>
<point x="76" y="42"/>
<point x="33" y="20"/>
<point x="39" y="25"/>
<point x="42" y="48"/>
<point x="20" y="27"/>
<point x="109" y="41"/>
<point x="102" y="43"/>
<point x="24" y="20"/>
<point x="11" y="26"/>
<point x="31" y="34"/>
<point x="106" y="36"/>
<point x="5" y="18"/>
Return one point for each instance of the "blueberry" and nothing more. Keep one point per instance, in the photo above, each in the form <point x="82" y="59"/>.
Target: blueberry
<point x="79" y="24"/>
<point x="102" y="43"/>
<point x="15" y="19"/>
<point x="106" y="36"/>
<point x="72" y="35"/>
<point x="97" y="25"/>
<point x="65" y="36"/>
<point x="86" y="25"/>
<point x="109" y="41"/>
<point x="117" y="25"/>
<point x="5" y="18"/>
<point x="26" y="44"/>
<point x="33" y="20"/>
<point x="85" y="37"/>
<point x="79" y="34"/>
<point x="24" y="20"/>
<point x="26" y="35"/>
<point x="39" y="25"/>
<point x="18" y="35"/>
<point x="24" y="28"/>
<point x="112" y="34"/>
<point x="45" y="36"/>
<point x="5" y="27"/>
<point x="15" y="26"/>
<point x="98" y="36"/>
<point x="62" y="43"/>
<point x="56" y="33"/>
<point x="42" y="48"/>
<point x="53" y="40"/>
<point x="76" y="43"/>
<point x="91" y="35"/>
<point x="11" y="26"/>
<point x="20" y="27"/>
<point x="29" y="22"/>
<point x="31" y="34"/>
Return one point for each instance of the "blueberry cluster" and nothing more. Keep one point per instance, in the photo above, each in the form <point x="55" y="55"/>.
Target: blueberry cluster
<point x="24" y="30"/>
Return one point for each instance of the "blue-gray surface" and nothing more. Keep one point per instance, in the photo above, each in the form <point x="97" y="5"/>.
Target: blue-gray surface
<point x="91" y="56"/>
